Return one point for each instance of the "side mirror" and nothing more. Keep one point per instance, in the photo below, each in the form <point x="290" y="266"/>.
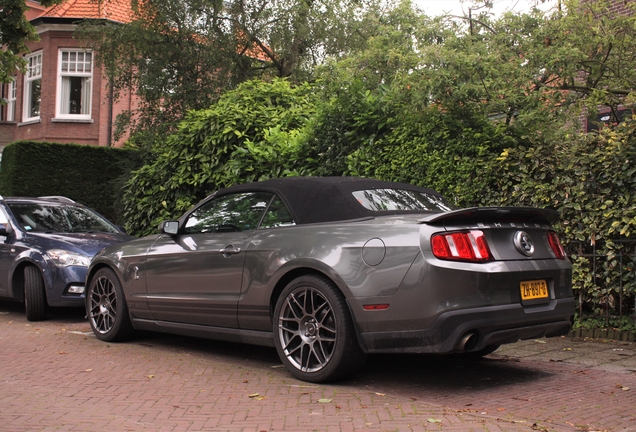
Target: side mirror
<point x="5" y="229"/>
<point x="169" y="227"/>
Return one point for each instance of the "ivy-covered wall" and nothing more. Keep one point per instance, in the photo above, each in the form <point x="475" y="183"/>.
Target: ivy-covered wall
<point x="90" y="175"/>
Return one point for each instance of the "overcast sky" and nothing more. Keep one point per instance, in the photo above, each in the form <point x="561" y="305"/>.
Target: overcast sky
<point x="457" y="7"/>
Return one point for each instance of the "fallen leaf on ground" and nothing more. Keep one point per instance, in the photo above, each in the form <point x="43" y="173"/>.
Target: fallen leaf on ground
<point x="324" y="400"/>
<point x="433" y="420"/>
<point x="539" y="341"/>
<point x="380" y="394"/>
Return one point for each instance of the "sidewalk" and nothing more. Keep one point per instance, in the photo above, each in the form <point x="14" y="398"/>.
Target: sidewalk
<point x="56" y="376"/>
<point x="604" y="354"/>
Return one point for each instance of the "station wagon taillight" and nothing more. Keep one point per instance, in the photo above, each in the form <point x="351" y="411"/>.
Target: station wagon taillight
<point x="555" y="245"/>
<point x="461" y="246"/>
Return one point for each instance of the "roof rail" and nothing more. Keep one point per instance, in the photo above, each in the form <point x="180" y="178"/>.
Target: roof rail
<point x="57" y="198"/>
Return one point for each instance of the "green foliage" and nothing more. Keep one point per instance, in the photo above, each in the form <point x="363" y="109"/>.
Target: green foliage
<point x="623" y="323"/>
<point x="591" y="180"/>
<point x="15" y="31"/>
<point x="252" y="133"/>
<point x="34" y="169"/>
<point x="181" y="56"/>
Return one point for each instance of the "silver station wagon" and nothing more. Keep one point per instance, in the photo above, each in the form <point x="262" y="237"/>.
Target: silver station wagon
<point x="328" y="270"/>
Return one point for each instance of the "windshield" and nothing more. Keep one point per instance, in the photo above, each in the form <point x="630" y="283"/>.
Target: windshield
<point x="59" y="219"/>
<point x="400" y="200"/>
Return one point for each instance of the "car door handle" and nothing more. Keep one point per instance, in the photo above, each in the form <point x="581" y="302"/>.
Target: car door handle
<point x="229" y="250"/>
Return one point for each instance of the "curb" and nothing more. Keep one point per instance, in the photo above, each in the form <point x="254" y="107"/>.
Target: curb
<point x="624" y="335"/>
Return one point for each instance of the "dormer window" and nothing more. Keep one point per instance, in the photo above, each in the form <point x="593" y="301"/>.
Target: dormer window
<point x="74" y="84"/>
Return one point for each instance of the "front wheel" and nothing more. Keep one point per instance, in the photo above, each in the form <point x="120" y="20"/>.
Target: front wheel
<point x="314" y="333"/>
<point x="106" y="307"/>
<point x="34" y="295"/>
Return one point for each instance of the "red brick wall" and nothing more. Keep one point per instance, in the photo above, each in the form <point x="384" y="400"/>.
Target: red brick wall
<point x="47" y="129"/>
<point x="620" y="6"/>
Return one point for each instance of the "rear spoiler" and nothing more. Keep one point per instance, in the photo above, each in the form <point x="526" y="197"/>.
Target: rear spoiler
<point x="493" y="214"/>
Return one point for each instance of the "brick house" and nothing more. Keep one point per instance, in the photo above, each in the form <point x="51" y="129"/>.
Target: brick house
<point x="63" y="97"/>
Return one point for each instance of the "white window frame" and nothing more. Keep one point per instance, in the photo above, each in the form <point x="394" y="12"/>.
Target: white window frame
<point x="33" y="74"/>
<point x="12" y="93"/>
<point x="72" y="67"/>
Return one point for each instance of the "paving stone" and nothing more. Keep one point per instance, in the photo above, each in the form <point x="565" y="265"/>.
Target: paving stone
<point x="56" y="376"/>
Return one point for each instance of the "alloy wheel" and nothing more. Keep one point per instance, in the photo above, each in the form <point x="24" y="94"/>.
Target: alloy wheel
<point x="307" y="329"/>
<point x="103" y="305"/>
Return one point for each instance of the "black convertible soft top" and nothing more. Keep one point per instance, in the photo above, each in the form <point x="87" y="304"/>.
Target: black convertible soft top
<point x="324" y="199"/>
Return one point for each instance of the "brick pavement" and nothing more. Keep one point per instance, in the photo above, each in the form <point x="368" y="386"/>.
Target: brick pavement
<point x="55" y="376"/>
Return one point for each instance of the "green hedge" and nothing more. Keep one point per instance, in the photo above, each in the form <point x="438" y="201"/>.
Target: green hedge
<point x="90" y="175"/>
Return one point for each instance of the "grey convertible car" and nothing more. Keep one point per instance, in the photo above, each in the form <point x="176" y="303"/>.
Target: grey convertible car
<point x="330" y="269"/>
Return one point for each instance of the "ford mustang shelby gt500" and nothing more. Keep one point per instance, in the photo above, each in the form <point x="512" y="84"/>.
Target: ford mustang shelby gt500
<point x="330" y="269"/>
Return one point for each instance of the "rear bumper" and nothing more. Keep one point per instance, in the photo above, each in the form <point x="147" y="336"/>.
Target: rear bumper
<point x="491" y="325"/>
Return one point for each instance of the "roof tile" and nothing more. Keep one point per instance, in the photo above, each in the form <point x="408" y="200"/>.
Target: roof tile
<point x="114" y="10"/>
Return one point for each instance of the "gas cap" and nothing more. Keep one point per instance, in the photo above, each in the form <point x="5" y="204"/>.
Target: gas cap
<point x="373" y="252"/>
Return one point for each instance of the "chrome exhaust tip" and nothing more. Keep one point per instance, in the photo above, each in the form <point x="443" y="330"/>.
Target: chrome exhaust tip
<point x="468" y="341"/>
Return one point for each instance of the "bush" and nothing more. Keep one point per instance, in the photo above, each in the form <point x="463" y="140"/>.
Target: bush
<point x="86" y="174"/>
<point x="591" y="180"/>
<point x="251" y="134"/>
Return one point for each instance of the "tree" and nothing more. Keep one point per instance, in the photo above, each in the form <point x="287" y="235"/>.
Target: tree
<point x="15" y="31"/>
<point x="181" y="56"/>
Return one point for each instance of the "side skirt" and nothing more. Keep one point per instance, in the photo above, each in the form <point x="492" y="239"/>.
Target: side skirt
<point x="217" y="333"/>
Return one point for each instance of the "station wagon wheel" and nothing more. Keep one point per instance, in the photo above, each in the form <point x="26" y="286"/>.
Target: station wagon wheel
<point x="106" y="307"/>
<point x="314" y="333"/>
<point x="34" y="295"/>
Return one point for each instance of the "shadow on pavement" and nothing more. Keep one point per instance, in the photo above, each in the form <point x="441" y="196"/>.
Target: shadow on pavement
<point x="444" y="374"/>
<point x="58" y="314"/>
<point x="412" y="372"/>
<point x="400" y="372"/>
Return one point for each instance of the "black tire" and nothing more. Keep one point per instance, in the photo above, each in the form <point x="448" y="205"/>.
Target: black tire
<point x="34" y="296"/>
<point x="314" y="333"/>
<point x="106" y="307"/>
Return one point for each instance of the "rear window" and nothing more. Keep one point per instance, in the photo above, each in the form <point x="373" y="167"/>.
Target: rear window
<point x="400" y="200"/>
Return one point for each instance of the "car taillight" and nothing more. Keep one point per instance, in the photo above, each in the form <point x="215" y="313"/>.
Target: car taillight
<point x="555" y="245"/>
<point x="461" y="246"/>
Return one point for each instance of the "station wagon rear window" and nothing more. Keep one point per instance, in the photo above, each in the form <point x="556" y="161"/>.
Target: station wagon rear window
<point x="400" y="200"/>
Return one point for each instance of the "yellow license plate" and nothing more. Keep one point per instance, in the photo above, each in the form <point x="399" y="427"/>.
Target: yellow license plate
<point x="534" y="289"/>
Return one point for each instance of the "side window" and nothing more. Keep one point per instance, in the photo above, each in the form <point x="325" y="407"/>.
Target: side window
<point x="277" y="215"/>
<point x="229" y="213"/>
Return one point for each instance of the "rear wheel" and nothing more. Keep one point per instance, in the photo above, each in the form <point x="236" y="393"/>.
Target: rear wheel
<point x="34" y="295"/>
<point x="314" y="333"/>
<point x="106" y="307"/>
